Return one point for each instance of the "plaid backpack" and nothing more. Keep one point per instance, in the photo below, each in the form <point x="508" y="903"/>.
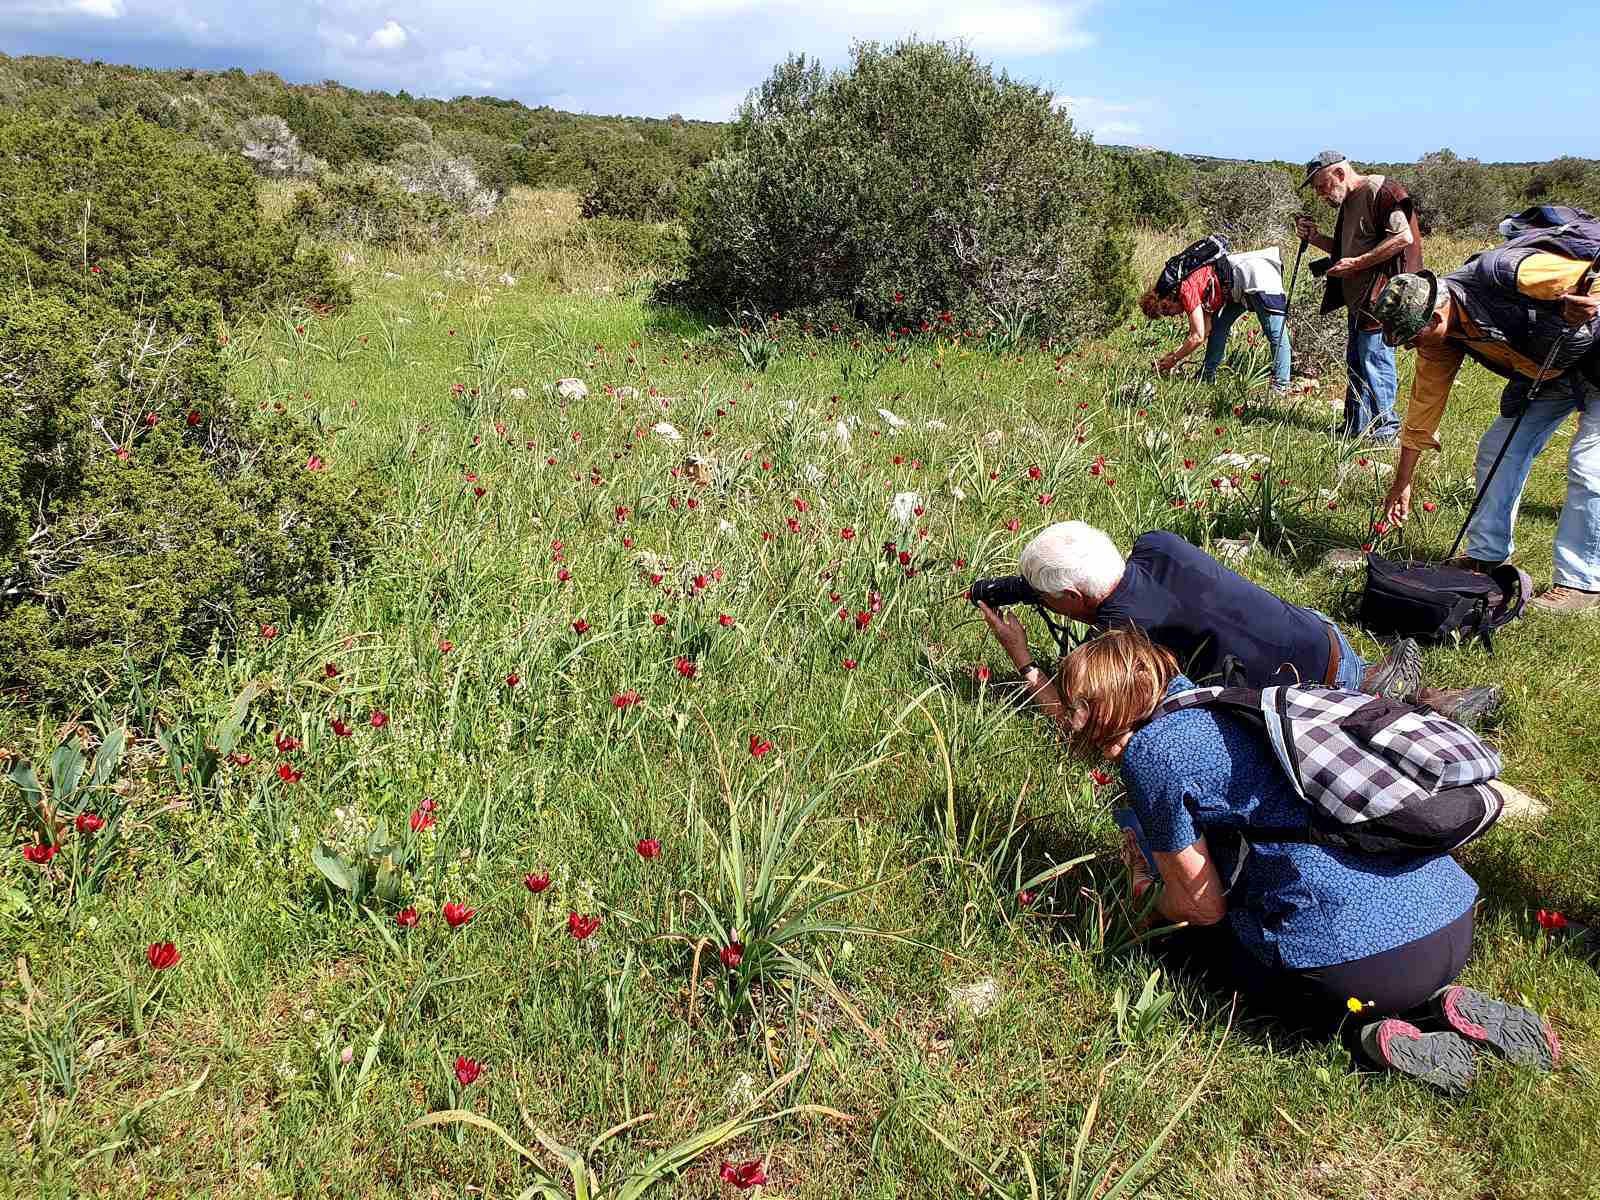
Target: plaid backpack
<point x="1379" y="776"/>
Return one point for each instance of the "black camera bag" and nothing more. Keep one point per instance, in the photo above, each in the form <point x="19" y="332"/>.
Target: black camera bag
<point x="1434" y="603"/>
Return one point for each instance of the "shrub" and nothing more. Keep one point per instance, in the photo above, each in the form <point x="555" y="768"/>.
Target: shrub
<point x="914" y="183"/>
<point x="1151" y="187"/>
<point x="426" y="170"/>
<point x="628" y="247"/>
<point x="369" y="204"/>
<point x="632" y="189"/>
<point x="1454" y="194"/>
<point x="274" y="151"/>
<point x="1565" y="180"/>
<point x="1251" y="205"/>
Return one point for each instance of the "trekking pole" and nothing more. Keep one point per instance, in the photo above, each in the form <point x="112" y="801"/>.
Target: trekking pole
<point x="1549" y="360"/>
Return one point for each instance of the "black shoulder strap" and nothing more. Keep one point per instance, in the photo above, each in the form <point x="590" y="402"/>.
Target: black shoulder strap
<point x="1247" y="700"/>
<point x="1516" y="585"/>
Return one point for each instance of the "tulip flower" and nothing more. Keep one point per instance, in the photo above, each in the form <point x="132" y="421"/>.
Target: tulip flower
<point x="89" y="823"/>
<point x="658" y="619"/>
<point x="420" y="820"/>
<point x="685" y="667"/>
<point x="1551" y="920"/>
<point x="378" y="719"/>
<point x="285" y="743"/>
<point x="40" y="853"/>
<point x="747" y="1175"/>
<point x="536" y="883"/>
<point x="648" y="848"/>
<point x="1026" y="898"/>
<point x="467" y="1070"/>
<point x="849" y="664"/>
<point x="725" y="620"/>
<point x="162" y="955"/>
<point x="758" y="748"/>
<point x="341" y="729"/>
<point x="329" y="671"/>
<point x="626" y="699"/>
<point x="732" y="954"/>
<point x="513" y="679"/>
<point x="406" y="918"/>
<point x="268" y="632"/>
<point x="580" y="626"/>
<point x="580" y="927"/>
<point x="288" y="774"/>
<point x="457" y="915"/>
<point x="1100" y="777"/>
<point x="981" y="674"/>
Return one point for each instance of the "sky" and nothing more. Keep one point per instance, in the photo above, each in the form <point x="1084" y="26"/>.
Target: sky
<point x="1378" y="82"/>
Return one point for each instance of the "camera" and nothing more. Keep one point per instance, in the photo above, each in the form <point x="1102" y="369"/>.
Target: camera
<point x="1003" y="590"/>
<point x="1319" y="267"/>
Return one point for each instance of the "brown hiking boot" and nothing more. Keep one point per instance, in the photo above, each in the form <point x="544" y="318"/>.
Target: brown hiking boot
<point x="1567" y="600"/>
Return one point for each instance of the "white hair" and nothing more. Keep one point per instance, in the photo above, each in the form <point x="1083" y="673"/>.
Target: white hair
<point x="1075" y="555"/>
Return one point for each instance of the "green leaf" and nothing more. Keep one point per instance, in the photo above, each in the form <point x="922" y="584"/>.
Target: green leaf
<point x="27" y="780"/>
<point x="66" y="769"/>
<point x="337" y="872"/>
<point x="109" y="755"/>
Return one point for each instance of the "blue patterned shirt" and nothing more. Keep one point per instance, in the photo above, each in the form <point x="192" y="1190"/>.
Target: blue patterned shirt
<point x="1296" y="906"/>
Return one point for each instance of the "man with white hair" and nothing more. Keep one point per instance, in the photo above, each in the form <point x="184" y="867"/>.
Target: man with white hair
<point x="1219" y="625"/>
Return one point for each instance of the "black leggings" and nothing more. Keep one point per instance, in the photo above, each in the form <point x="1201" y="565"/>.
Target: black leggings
<point x="1396" y="983"/>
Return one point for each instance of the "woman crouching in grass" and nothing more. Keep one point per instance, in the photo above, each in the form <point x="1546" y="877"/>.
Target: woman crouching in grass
<point x="1298" y="931"/>
<point x="1213" y="300"/>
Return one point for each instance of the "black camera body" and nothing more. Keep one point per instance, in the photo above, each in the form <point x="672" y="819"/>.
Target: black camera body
<point x="1003" y="590"/>
<point x="1319" y="267"/>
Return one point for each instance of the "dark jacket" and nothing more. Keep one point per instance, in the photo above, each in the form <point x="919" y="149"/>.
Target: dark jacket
<point x="1390" y="197"/>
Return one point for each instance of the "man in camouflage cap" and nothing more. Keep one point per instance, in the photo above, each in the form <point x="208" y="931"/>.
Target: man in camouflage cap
<point x="1514" y="308"/>
<point x="1374" y="238"/>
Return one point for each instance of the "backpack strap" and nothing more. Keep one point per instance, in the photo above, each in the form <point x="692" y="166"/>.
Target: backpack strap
<point x="1516" y="585"/>
<point x="1246" y="699"/>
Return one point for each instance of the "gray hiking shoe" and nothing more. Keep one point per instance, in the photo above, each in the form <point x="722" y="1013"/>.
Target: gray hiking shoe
<point x="1516" y="1034"/>
<point x="1398" y="676"/>
<point x="1466" y="706"/>
<point x="1443" y="1060"/>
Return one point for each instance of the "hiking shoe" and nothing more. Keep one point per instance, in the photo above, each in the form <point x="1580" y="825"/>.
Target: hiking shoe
<point x="1465" y="706"/>
<point x="1567" y="600"/>
<point x="1516" y="1034"/>
<point x="1444" y="1060"/>
<point x="1399" y="675"/>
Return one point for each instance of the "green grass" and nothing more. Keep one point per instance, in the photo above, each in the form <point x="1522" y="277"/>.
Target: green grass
<point x="934" y="799"/>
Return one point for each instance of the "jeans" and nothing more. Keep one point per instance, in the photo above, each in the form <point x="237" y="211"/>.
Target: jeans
<point x="1272" y="325"/>
<point x="1369" y="396"/>
<point x="1352" y="667"/>
<point x="1577" y="558"/>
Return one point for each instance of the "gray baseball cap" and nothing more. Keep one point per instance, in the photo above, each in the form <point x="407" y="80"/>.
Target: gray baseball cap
<point x="1326" y="159"/>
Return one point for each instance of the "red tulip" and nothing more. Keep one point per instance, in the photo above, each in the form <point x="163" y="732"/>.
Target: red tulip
<point x="725" y="620"/>
<point x="1026" y="898"/>
<point x="467" y="1070"/>
<point x="241" y="760"/>
<point x="193" y="417"/>
<point x="849" y="664"/>
<point x="847" y="533"/>
<point x="536" y="883"/>
<point x="747" y="1175"/>
<point x="863" y="619"/>
<point x="89" y="823"/>
<point x="329" y="671"/>
<point x="286" y="743"/>
<point x="314" y="463"/>
<point x="379" y="718"/>
<point x="513" y="679"/>
<point x="981" y="674"/>
<point x="759" y="748"/>
<point x="420" y="820"/>
<point x="288" y="774"/>
<point x="268" y="632"/>
<point x="479" y="492"/>
<point x="580" y="626"/>
<point x="406" y="918"/>
<point x="446" y="647"/>
<point x="1551" y="920"/>
<point x="457" y="915"/>
<point x="1428" y="506"/>
<point x="162" y="955"/>
<point x="685" y="667"/>
<point x="1013" y="525"/>
<point x="658" y="619"/>
<point x="1100" y="777"/>
<point x="732" y="954"/>
<point x="341" y="729"/>
<point x="1035" y="473"/>
<point x="581" y="927"/>
<point x="40" y="853"/>
<point x="648" y="848"/>
<point x="626" y="699"/>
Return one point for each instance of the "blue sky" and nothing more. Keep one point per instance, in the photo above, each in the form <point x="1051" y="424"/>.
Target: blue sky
<point x="1250" y="80"/>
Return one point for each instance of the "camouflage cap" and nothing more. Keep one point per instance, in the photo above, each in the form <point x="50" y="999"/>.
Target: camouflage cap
<point x="1406" y="303"/>
<point x="1327" y="158"/>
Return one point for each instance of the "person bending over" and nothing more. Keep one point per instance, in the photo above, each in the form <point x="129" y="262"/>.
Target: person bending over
<point x="1221" y="627"/>
<point x="1295" y="930"/>
<point x="1254" y="283"/>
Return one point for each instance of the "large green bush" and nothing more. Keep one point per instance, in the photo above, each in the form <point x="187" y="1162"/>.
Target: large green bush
<point x="914" y="183"/>
<point x="143" y="512"/>
<point x="1152" y="187"/>
<point x="1454" y="195"/>
<point x="370" y="205"/>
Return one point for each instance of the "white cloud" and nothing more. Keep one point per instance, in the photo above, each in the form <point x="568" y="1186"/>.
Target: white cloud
<point x="104" y="10"/>
<point x="1107" y="119"/>
<point x="390" y="37"/>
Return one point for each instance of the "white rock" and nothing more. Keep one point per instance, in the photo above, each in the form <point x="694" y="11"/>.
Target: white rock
<point x="349" y="258"/>
<point x="393" y="275"/>
<point x="1344" y="560"/>
<point x="935" y="425"/>
<point x="902" y="508"/>
<point x="993" y="438"/>
<point x="841" y="433"/>
<point x="973" y="999"/>
<point x="509" y="279"/>
<point x="1155" y="439"/>
<point x="1231" y="460"/>
<point x="891" y="420"/>
<point x="667" y="430"/>
<point x="518" y="393"/>
<point x="812" y="474"/>
<point x="741" y="1093"/>
<point x="627" y="393"/>
<point x="571" y="389"/>
<point x="1232" y="550"/>
<point x="958" y="493"/>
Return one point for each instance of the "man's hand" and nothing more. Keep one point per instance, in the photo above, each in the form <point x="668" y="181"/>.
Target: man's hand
<point x="1305" y="227"/>
<point x="1398" y="506"/>
<point x="1163" y="365"/>
<point x="1345" y="266"/>
<point x="1008" y="631"/>
<point x="1579" y="310"/>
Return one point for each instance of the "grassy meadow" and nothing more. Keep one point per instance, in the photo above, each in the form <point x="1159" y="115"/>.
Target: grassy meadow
<point x="686" y="643"/>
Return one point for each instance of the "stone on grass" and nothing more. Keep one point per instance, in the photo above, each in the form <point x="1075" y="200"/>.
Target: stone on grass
<point x="903" y="508"/>
<point x="993" y="438"/>
<point x="891" y="420"/>
<point x="1344" y="560"/>
<point x="1232" y="550"/>
<point x="571" y="389"/>
<point x="518" y="393"/>
<point x="741" y="1093"/>
<point x="1519" y="806"/>
<point x="974" y="999"/>
<point x="667" y="431"/>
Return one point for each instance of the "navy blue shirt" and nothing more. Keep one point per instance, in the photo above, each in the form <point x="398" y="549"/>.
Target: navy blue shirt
<point x="1295" y="906"/>
<point x="1187" y="601"/>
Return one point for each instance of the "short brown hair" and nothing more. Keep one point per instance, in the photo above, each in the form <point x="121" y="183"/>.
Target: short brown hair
<point x="1150" y="304"/>
<point x="1114" y="682"/>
